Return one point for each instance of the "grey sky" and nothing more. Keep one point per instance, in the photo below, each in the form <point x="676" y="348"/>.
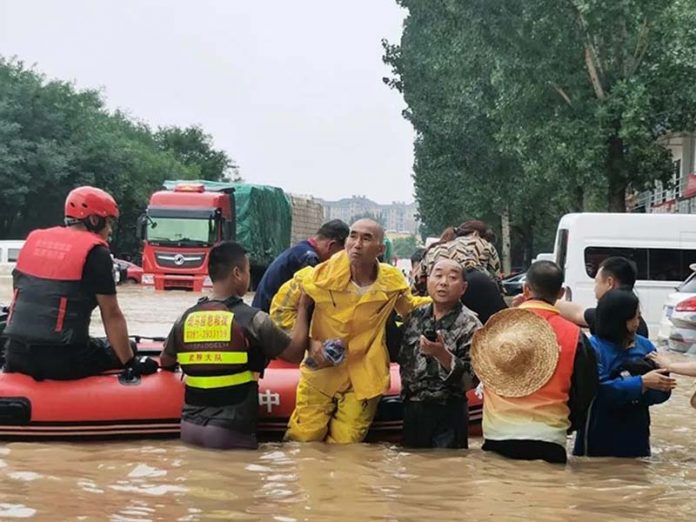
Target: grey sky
<point x="292" y="90"/>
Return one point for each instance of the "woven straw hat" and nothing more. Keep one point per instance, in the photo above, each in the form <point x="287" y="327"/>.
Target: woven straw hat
<point x="515" y="354"/>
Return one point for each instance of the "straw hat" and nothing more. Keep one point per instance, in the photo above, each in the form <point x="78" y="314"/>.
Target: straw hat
<point x="515" y="354"/>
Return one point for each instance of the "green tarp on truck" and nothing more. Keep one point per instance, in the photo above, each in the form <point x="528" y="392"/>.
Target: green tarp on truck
<point x="263" y="217"/>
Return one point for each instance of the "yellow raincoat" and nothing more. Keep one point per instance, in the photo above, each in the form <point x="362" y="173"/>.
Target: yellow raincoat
<point x="341" y="312"/>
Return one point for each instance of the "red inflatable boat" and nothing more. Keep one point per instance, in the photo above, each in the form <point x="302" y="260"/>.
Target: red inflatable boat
<point x="108" y="406"/>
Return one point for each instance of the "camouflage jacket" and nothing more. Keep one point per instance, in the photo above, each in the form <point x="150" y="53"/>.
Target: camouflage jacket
<point x="422" y="377"/>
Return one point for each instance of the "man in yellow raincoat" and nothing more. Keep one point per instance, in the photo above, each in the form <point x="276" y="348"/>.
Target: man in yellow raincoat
<point x="354" y="295"/>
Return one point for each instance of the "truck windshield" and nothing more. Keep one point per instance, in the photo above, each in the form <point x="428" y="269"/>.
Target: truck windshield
<point x="181" y="231"/>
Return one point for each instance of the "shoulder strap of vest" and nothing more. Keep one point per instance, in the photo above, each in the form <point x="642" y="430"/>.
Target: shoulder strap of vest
<point x="233" y="301"/>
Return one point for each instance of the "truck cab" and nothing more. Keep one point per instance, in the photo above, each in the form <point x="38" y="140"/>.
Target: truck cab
<point x="178" y="229"/>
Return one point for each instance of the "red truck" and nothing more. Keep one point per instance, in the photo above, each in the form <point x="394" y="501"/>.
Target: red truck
<point x="179" y="228"/>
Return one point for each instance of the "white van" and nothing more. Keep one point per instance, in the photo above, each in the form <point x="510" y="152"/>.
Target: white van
<point x="544" y="257"/>
<point x="9" y="252"/>
<point x="662" y="246"/>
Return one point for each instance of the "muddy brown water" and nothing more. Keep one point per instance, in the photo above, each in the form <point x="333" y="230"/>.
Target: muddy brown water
<point x="165" y="480"/>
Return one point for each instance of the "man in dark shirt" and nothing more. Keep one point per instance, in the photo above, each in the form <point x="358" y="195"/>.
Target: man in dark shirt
<point x="62" y="274"/>
<point x="329" y="239"/>
<point x="613" y="272"/>
<point x="482" y="295"/>
<point x="435" y="365"/>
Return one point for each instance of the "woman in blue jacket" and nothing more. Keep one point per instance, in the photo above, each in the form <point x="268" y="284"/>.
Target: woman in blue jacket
<point x="618" y="422"/>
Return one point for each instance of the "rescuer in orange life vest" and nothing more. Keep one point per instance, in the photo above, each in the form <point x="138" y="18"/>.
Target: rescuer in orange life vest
<point x="62" y="274"/>
<point x="222" y="346"/>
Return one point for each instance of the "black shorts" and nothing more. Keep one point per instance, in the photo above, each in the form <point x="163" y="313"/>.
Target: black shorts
<point x="527" y="450"/>
<point x="61" y="362"/>
<point x="429" y="424"/>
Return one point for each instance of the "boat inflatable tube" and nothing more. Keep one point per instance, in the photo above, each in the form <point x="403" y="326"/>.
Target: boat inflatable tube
<point x="111" y="406"/>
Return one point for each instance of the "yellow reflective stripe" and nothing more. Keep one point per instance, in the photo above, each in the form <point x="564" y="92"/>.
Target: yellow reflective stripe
<point x="219" y="381"/>
<point x="212" y="357"/>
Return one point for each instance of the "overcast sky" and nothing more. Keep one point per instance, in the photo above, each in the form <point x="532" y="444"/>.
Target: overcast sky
<point x="292" y="90"/>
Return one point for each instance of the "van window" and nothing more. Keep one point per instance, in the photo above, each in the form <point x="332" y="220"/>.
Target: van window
<point x="12" y="254"/>
<point x="654" y="264"/>
<point x="562" y="248"/>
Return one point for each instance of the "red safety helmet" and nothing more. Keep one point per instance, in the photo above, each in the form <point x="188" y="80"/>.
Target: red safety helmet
<point x="83" y="202"/>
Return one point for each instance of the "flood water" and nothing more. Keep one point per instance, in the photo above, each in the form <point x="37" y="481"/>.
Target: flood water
<point x="165" y="480"/>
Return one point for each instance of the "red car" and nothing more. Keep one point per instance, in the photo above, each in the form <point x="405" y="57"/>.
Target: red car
<point x="130" y="272"/>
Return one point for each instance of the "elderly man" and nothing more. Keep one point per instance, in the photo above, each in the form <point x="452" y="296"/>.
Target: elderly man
<point x="435" y="364"/>
<point x="354" y="295"/>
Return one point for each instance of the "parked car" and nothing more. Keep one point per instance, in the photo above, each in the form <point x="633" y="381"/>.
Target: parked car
<point x="129" y="272"/>
<point x="683" y="292"/>
<point x="513" y="285"/>
<point x="9" y="251"/>
<point x="682" y="336"/>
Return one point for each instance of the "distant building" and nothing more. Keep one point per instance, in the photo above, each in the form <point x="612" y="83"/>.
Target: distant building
<point x="397" y="216"/>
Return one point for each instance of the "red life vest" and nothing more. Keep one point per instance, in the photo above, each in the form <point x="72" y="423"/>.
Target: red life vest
<point x="213" y="351"/>
<point x="543" y="415"/>
<point x="50" y="306"/>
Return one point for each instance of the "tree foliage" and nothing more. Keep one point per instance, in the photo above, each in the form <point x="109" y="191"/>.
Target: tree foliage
<point x="54" y="137"/>
<point x="193" y="147"/>
<point x="540" y="107"/>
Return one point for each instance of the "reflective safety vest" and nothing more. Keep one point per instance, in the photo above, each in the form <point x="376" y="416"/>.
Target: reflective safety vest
<point x="50" y="305"/>
<point x="213" y="351"/>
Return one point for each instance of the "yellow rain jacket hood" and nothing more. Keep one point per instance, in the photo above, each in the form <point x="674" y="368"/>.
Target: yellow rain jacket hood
<point x="341" y="312"/>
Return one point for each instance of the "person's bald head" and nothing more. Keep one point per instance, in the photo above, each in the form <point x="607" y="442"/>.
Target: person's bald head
<point x="365" y="223"/>
<point x="365" y="241"/>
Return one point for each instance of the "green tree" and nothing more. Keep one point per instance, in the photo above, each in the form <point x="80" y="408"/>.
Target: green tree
<point x="535" y="108"/>
<point x="194" y="148"/>
<point x="460" y="171"/>
<point x="54" y="137"/>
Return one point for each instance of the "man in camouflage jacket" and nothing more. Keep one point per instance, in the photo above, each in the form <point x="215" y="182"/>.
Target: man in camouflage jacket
<point x="435" y="364"/>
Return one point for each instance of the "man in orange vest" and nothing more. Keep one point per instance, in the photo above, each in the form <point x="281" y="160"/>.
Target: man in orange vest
<point x="62" y="274"/>
<point x="538" y="370"/>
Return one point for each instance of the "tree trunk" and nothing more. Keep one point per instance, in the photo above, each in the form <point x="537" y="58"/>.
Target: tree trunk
<point x="616" y="176"/>
<point x="617" y="198"/>
<point x="505" y="231"/>
<point x="578" y="200"/>
<point x="528" y="243"/>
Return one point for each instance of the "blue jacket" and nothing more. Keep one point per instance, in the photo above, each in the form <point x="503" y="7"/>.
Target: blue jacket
<point x="618" y="422"/>
<point x="281" y="270"/>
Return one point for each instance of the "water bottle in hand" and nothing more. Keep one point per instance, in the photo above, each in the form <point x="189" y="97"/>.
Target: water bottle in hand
<point x="333" y="351"/>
